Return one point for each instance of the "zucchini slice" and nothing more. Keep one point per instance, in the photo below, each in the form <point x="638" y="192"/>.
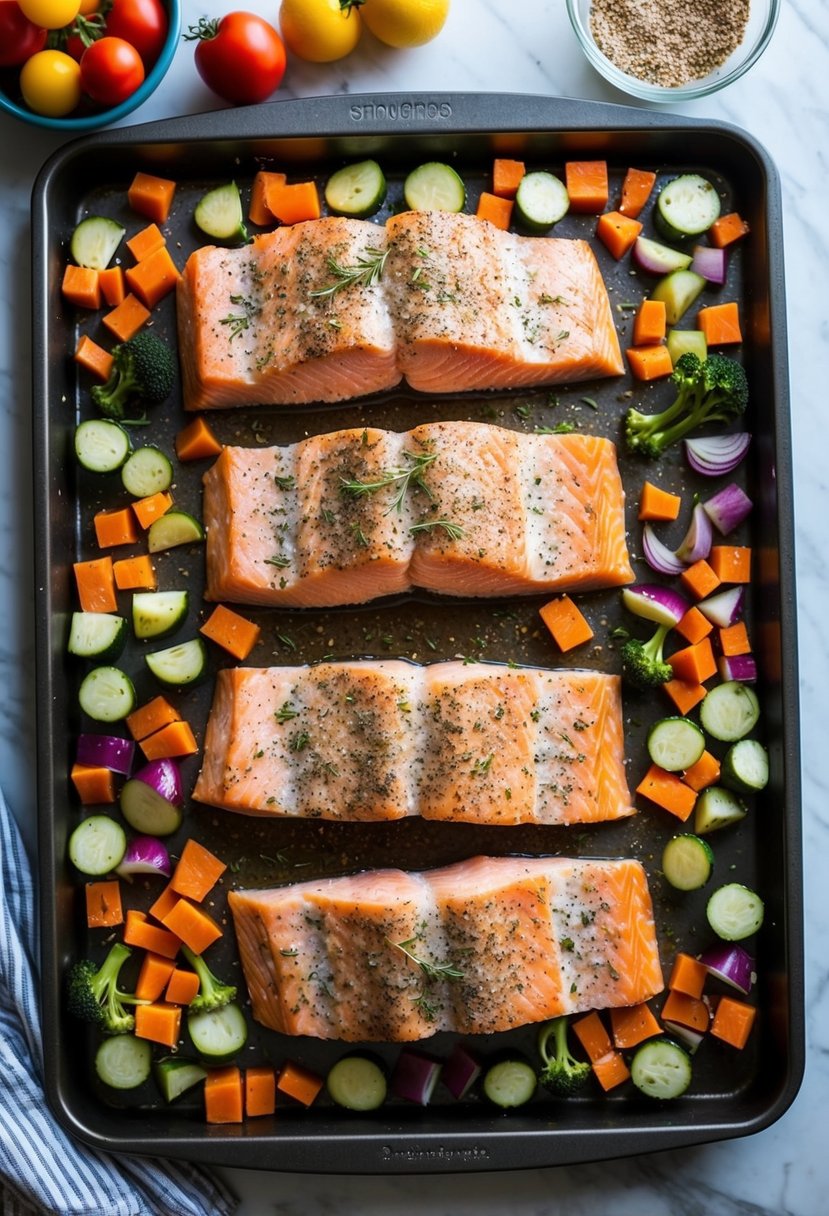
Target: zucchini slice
<point x="356" y="190"/>
<point x="147" y="471"/>
<point x="101" y="445"/>
<point x="661" y="1069"/>
<point x="218" y="1034"/>
<point x="434" y="187"/>
<point x="686" y="207"/>
<point x="155" y="614"/>
<point x="172" y="529"/>
<point x="97" y="635"/>
<point x="541" y="201"/>
<point x="219" y="214"/>
<point x="178" y="665"/>
<point x="124" y="1062"/>
<point x="95" y="240"/>
<point x="357" y="1083"/>
<point x="107" y="694"/>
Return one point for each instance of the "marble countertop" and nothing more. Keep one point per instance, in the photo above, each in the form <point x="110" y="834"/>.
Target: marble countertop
<point x="527" y="47"/>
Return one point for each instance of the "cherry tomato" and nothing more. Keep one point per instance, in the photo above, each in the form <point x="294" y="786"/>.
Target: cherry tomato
<point x="51" y="83"/>
<point x="51" y="14"/>
<point x="111" y="71"/>
<point x="143" y="23"/>
<point x="239" y="56"/>
<point x="20" y="38"/>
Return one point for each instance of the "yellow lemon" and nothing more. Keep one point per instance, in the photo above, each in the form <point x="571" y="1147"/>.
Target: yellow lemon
<point x="319" y="30"/>
<point x="404" y="23"/>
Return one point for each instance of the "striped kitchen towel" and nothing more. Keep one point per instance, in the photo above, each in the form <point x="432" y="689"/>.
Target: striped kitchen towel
<point x="42" y="1170"/>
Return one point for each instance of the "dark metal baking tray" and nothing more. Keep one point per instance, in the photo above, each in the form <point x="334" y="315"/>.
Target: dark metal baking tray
<point x="733" y="1094"/>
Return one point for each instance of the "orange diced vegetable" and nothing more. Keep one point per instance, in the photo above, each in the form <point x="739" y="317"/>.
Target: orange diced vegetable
<point x="153" y="976"/>
<point x="566" y="623"/>
<point x="727" y="229"/>
<point x="655" y="503"/>
<point x="151" y="717"/>
<point x="687" y="1011"/>
<point x="235" y="633"/>
<point x="103" y="904"/>
<point x="197" y="872"/>
<point x="175" y="739"/>
<point x="611" y="1070"/>
<point x="636" y="190"/>
<point x="649" y="362"/>
<point x="495" y="209"/>
<point x="506" y="176"/>
<point x="96" y="585"/>
<point x="731" y="563"/>
<point x="258" y="212"/>
<point x="125" y="321"/>
<point x="153" y="278"/>
<point x="702" y="774"/>
<point x="721" y="324"/>
<point x="134" y="573"/>
<point x="93" y="784"/>
<point x="197" y="442"/>
<point x="223" y="1095"/>
<point x="164" y="903"/>
<point x="292" y="204"/>
<point x="700" y="579"/>
<point x="593" y="1037"/>
<point x="684" y="696"/>
<point x="152" y="507"/>
<point x="94" y="358"/>
<point x="694" y="664"/>
<point x="694" y="626"/>
<point x="633" y="1024"/>
<point x="667" y="791"/>
<point x="182" y="988"/>
<point x="260" y="1091"/>
<point x="192" y="925"/>
<point x="688" y="975"/>
<point x="650" y="323"/>
<point x="300" y="1083"/>
<point x="617" y="233"/>
<point x="115" y="528"/>
<point x="80" y="286"/>
<point x="160" y="1023"/>
<point x="145" y="936"/>
<point x="587" y="185"/>
<point x="146" y="242"/>
<point x="151" y="196"/>
<point x="733" y="1021"/>
<point x="112" y="286"/>
<point x="734" y="639"/>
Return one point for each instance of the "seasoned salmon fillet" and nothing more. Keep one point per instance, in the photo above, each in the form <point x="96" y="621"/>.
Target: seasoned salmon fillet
<point x="379" y="740"/>
<point x="335" y="308"/>
<point x="478" y="947"/>
<point x="458" y="508"/>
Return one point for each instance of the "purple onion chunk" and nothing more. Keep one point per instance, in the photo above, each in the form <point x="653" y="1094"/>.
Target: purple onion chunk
<point x="710" y="263"/>
<point x="460" y="1072"/>
<point x="715" y="455"/>
<point x="724" y="608"/>
<point x="164" y="778"/>
<point x="728" y="508"/>
<point x="696" y="544"/>
<point x="414" y="1077"/>
<point x="144" y="855"/>
<point x="106" y="751"/>
<point x="658" y="556"/>
<point x="731" y="964"/>
<point x="652" y="602"/>
<point x="740" y="667"/>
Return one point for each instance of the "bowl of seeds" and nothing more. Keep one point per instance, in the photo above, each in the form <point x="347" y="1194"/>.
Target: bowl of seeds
<point x="673" y="50"/>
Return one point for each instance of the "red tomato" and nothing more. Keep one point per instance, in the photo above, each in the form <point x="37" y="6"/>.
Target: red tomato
<point x="239" y="56"/>
<point x="111" y="71"/>
<point x="20" y="38"/>
<point x="75" y="46"/>
<point x="143" y="23"/>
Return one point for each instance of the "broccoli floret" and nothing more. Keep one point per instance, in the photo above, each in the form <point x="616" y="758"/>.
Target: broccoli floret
<point x="212" y="994"/>
<point x="142" y="369"/>
<point x="708" y="390"/>
<point x="561" y="1072"/>
<point x="642" y="662"/>
<point x="94" y="995"/>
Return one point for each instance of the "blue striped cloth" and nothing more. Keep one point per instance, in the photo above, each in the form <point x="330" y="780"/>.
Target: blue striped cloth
<point x="43" y="1171"/>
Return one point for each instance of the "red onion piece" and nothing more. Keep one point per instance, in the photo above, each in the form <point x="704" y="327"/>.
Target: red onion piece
<point x="415" y="1077"/>
<point x="741" y="667"/>
<point x="711" y="263"/>
<point x="696" y="544"/>
<point x="715" y="455"/>
<point x="460" y="1072"/>
<point x="728" y="508"/>
<point x="731" y="964"/>
<point x="164" y="777"/>
<point x="658" y="556"/>
<point x="689" y="1038"/>
<point x="724" y="608"/>
<point x="654" y="258"/>
<point x="662" y="605"/>
<point x="106" y="751"/>
<point x="144" y="855"/>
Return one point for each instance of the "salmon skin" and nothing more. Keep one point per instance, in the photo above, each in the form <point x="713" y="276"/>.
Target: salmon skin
<point x="336" y="308"/>
<point x="482" y="946"/>
<point x="380" y="740"/>
<point x="457" y="508"/>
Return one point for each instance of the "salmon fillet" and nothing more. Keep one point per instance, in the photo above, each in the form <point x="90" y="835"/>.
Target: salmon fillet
<point x="456" y="304"/>
<point x="379" y="740"/>
<point x="478" y="947"/>
<point x="458" y="508"/>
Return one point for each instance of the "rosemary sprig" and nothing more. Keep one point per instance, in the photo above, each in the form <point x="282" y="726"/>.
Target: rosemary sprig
<point x="286" y="712"/>
<point x="238" y="322"/>
<point x="279" y="561"/>
<point x="366" y="271"/>
<point x="285" y="483"/>
<point x="432" y="971"/>
<point x="452" y="530"/>
<point x="299" y="741"/>
<point x="481" y="767"/>
<point x="402" y="478"/>
<point x="563" y="428"/>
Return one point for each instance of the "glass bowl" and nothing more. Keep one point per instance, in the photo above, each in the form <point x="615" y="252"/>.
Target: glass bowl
<point x="762" y="19"/>
<point x="90" y="120"/>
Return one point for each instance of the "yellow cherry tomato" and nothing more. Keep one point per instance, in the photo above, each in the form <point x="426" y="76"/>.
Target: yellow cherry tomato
<point x="51" y="83"/>
<point x="404" y="23"/>
<point x="319" y="30"/>
<point x="50" y="14"/>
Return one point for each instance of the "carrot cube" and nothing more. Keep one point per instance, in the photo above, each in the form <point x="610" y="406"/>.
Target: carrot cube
<point x="733" y="1021"/>
<point x="197" y="872"/>
<point x="727" y="229"/>
<point x="649" y="362"/>
<point x="506" y="176"/>
<point x="495" y="209"/>
<point x="566" y="623"/>
<point x="93" y="784"/>
<point x="734" y="639"/>
<point x="702" y="774"/>
<point x="292" y="204"/>
<point x="694" y="626"/>
<point x="587" y="185"/>
<point x="617" y="233"/>
<point x="700" y="579"/>
<point x="192" y="925"/>
<point x="103" y="904"/>
<point x="234" y="633"/>
<point x="80" y="286"/>
<point x="688" y="975"/>
<point x="684" y="696"/>
<point x="175" y="739"/>
<point x="151" y="717"/>
<point x="153" y="976"/>
<point x="667" y="791"/>
<point x="259" y="212"/>
<point x="94" y="358"/>
<point x="260" y="1091"/>
<point x="650" y="323"/>
<point x="115" y="528"/>
<point x="160" y="1023"/>
<point x="721" y="324"/>
<point x="134" y="573"/>
<point x="96" y="585"/>
<point x="151" y="196"/>
<point x="153" y="278"/>
<point x="636" y="190"/>
<point x="223" y="1095"/>
<point x="593" y="1037"/>
<point x="658" y="504"/>
<point x="125" y="321"/>
<point x="164" y="903"/>
<point x="611" y="1070"/>
<point x="112" y="286"/>
<point x="145" y="936"/>
<point x="632" y="1025"/>
<point x="152" y="507"/>
<point x="197" y="442"/>
<point x="686" y="1011"/>
<point x="146" y="242"/>
<point x="183" y="986"/>
<point x="731" y="563"/>
<point x="695" y="664"/>
<point x="300" y="1083"/>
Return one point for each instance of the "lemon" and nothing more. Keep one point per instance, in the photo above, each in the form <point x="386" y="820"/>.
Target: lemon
<point x="319" y="30"/>
<point x="404" y="23"/>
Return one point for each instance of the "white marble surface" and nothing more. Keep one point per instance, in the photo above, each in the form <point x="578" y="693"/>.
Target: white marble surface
<point x="523" y="47"/>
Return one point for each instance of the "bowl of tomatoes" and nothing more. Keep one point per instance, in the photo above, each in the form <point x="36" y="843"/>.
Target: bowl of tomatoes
<point x="75" y="65"/>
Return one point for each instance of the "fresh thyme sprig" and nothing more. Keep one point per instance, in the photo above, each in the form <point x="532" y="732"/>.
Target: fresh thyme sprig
<point x="239" y="322"/>
<point x="452" y="530"/>
<point x="403" y="478"/>
<point x="563" y="428"/>
<point x="366" y="271"/>
<point x="286" y="712"/>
